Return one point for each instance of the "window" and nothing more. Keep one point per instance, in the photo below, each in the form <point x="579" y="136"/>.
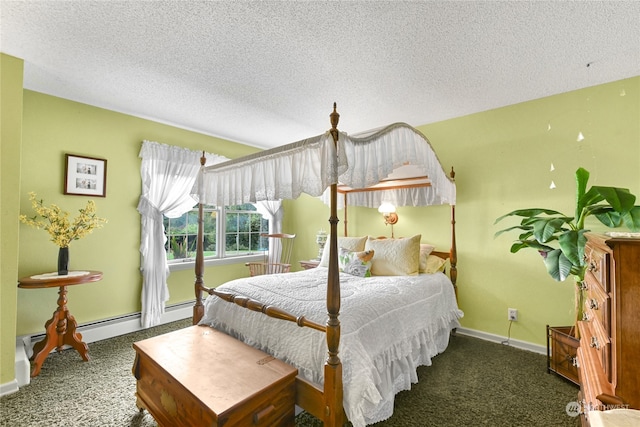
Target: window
<point x="240" y="233"/>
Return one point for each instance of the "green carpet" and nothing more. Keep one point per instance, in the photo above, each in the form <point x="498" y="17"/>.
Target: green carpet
<point x="473" y="383"/>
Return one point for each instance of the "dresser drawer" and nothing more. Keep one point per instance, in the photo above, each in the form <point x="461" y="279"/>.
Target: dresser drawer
<point x="597" y="305"/>
<point x="597" y="261"/>
<point x="594" y="337"/>
<point x="593" y="380"/>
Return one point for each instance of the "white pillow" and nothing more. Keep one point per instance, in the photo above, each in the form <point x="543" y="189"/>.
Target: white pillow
<point x="425" y="251"/>
<point x="395" y="257"/>
<point x="434" y="264"/>
<point x="355" y="244"/>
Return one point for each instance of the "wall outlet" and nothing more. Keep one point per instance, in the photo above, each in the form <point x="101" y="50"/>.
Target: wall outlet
<point x="512" y="314"/>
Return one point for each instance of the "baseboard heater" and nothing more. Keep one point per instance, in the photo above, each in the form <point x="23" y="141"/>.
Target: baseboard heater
<point x="120" y="325"/>
<point x="97" y="331"/>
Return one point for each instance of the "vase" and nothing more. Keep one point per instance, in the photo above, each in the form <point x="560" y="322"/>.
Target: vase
<point x="63" y="261"/>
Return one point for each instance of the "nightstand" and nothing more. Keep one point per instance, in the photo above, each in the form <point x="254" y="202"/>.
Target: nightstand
<point x="312" y="263"/>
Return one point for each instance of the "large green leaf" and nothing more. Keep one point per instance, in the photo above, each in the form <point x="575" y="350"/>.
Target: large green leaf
<point x="572" y="245"/>
<point x="589" y="198"/>
<point x="527" y="235"/>
<point x="620" y="199"/>
<point x="609" y="217"/>
<point x="545" y="228"/>
<point x="515" y="227"/>
<point x="632" y="218"/>
<point x="534" y="244"/>
<point x="528" y="213"/>
<point x="582" y="177"/>
<point x="558" y="266"/>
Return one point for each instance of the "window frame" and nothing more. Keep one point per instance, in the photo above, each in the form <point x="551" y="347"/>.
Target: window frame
<point x="220" y="258"/>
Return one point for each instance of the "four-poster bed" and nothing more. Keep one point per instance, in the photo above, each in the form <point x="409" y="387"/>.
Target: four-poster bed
<point x="372" y="305"/>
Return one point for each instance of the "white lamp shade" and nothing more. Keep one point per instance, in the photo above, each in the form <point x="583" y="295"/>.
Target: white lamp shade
<point x="386" y="208"/>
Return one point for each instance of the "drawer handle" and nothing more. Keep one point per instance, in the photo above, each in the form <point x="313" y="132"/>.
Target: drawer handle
<point x="594" y="343"/>
<point x="593" y="304"/>
<point x="259" y="416"/>
<point x="585" y="317"/>
<point x="593" y="266"/>
<point x="584" y="286"/>
<point x="574" y="362"/>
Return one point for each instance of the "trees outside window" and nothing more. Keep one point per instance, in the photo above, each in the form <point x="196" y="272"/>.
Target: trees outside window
<point x="237" y="235"/>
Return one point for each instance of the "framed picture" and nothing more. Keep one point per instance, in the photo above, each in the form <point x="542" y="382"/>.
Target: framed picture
<point x="85" y="176"/>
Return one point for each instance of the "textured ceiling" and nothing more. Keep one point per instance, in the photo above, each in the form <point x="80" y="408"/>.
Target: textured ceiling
<point x="267" y="73"/>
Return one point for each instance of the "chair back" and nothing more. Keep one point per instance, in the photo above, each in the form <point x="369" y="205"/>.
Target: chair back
<point x="277" y="257"/>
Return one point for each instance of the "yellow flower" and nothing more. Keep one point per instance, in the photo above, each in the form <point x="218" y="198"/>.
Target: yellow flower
<point x="56" y="222"/>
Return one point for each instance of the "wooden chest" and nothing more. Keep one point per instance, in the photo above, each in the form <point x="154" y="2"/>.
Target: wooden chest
<point x="198" y="376"/>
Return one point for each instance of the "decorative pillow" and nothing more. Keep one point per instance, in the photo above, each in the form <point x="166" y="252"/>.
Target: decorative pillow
<point x="434" y="264"/>
<point x="355" y="244"/>
<point x="425" y="251"/>
<point x="395" y="257"/>
<point x="355" y="263"/>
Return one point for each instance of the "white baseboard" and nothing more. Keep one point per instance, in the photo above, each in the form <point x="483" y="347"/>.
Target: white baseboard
<point x="523" y="345"/>
<point x="8" y="388"/>
<point x="91" y="332"/>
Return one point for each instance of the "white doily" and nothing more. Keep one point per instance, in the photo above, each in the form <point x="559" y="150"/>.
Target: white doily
<point x="623" y="234"/>
<point x="54" y="275"/>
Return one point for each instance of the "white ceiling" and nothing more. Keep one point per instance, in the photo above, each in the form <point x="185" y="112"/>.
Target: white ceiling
<point x="267" y="73"/>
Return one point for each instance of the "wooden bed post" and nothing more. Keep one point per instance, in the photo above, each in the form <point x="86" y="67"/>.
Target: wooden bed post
<point x="346" y="231"/>
<point x="453" y="255"/>
<point x="334" y="411"/>
<point x="198" y="308"/>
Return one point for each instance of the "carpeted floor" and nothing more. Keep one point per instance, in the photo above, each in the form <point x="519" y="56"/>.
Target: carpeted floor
<point x="473" y="383"/>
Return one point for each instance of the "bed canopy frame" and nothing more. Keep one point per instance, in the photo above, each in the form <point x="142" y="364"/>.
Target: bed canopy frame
<point x="327" y="153"/>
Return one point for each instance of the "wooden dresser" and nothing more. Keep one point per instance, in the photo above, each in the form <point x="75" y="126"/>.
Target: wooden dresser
<point x="609" y="353"/>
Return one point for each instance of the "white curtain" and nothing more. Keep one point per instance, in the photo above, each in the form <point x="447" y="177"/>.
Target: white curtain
<point x="168" y="174"/>
<point x="272" y="211"/>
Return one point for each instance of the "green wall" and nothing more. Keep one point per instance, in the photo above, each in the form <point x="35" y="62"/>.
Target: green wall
<point x="11" y="70"/>
<point x="502" y="160"/>
<point x="53" y="127"/>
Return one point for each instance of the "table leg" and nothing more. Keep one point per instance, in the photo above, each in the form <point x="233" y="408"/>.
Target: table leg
<point x="74" y="338"/>
<point x="60" y="330"/>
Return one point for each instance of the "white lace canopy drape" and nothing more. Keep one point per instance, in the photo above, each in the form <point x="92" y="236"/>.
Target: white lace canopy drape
<point x="168" y="174"/>
<point x="281" y="173"/>
<point x="380" y="154"/>
<point x="310" y="166"/>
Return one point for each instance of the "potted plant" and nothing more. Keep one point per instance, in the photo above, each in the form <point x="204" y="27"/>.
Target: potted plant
<point x="61" y="230"/>
<point x="560" y="238"/>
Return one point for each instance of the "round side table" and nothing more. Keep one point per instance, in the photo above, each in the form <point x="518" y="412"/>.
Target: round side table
<point x="61" y="328"/>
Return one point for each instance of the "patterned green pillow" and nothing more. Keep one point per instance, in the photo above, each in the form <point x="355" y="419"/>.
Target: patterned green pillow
<point x="355" y="263"/>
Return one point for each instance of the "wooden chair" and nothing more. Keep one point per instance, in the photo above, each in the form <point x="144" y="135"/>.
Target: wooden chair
<point x="276" y="258"/>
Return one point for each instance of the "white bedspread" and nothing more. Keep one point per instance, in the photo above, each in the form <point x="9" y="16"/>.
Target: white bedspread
<point x="389" y="327"/>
